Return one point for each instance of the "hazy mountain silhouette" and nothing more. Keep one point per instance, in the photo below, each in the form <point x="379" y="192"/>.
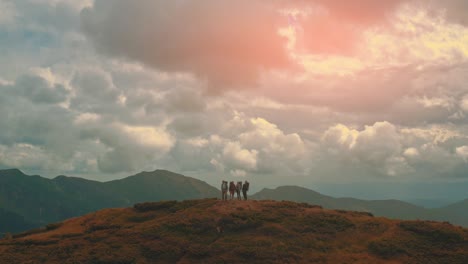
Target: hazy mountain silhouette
<point x="456" y="213"/>
<point x="40" y="201"/>
<point x="214" y="231"/>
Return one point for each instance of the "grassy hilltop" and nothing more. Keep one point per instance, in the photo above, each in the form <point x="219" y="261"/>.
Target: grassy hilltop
<point x="213" y="231"/>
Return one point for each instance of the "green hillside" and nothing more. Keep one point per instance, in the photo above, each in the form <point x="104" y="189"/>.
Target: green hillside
<point x="40" y="201"/>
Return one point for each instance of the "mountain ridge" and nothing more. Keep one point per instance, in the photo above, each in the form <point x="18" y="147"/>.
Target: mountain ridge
<point x="456" y="213"/>
<point x="41" y="201"/>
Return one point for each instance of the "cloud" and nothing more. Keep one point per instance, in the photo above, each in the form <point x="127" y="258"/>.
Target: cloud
<point x="365" y="91"/>
<point x="374" y="143"/>
<point x="462" y="152"/>
<point x="152" y="137"/>
<point x="336" y="27"/>
<point x="384" y="150"/>
<point x="124" y="148"/>
<point x="411" y="152"/>
<point x="120" y="89"/>
<point x="454" y="10"/>
<point x="271" y="140"/>
<point x="7" y="12"/>
<point x="226" y="43"/>
<point x="377" y="146"/>
<point x="236" y="156"/>
<point x="464" y="103"/>
<point x="37" y="86"/>
<point x="38" y="90"/>
<point x="361" y="11"/>
<point x="94" y="90"/>
<point x="261" y="147"/>
<point x="378" y="142"/>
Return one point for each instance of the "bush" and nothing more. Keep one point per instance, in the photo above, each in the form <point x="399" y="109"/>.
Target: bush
<point x="355" y="213"/>
<point x="30" y="232"/>
<point x="145" y="207"/>
<point x="386" y="248"/>
<point x="99" y="227"/>
<point x="140" y="218"/>
<point x="434" y="232"/>
<point x="53" y="226"/>
<point x="323" y="223"/>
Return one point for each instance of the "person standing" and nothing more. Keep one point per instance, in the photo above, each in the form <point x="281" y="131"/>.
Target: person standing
<point x="232" y="189"/>
<point x="224" y="189"/>
<point x="238" y="190"/>
<point x="245" y="189"/>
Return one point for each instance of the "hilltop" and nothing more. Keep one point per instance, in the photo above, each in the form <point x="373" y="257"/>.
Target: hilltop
<point x="213" y="231"/>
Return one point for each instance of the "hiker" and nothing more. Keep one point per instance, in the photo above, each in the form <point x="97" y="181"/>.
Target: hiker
<point x="238" y="190"/>
<point x="232" y="189"/>
<point x="224" y="189"/>
<point x="245" y="189"/>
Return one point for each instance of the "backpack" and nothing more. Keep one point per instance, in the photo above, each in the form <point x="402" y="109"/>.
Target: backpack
<point x="224" y="186"/>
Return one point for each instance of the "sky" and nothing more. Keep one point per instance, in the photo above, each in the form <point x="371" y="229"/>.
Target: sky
<point x="278" y="92"/>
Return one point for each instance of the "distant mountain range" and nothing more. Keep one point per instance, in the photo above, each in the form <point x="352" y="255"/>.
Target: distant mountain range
<point x="456" y="213"/>
<point x="32" y="201"/>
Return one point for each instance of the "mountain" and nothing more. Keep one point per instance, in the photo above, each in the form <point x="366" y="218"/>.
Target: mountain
<point x="12" y="222"/>
<point x="214" y="231"/>
<point x="40" y="201"/>
<point x="388" y="208"/>
<point x="430" y="203"/>
<point x="32" y="201"/>
<point x="457" y="213"/>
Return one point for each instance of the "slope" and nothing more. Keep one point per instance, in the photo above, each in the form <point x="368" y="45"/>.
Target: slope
<point x="40" y="200"/>
<point x="213" y="231"/>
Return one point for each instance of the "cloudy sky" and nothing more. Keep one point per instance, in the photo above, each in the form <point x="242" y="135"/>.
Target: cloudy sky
<point x="276" y="92"/>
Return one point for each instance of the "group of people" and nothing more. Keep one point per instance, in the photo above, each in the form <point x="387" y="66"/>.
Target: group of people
<point x="234" y="188"/>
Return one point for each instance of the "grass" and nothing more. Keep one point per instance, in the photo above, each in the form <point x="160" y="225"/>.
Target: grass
<point x="213" y="231"/>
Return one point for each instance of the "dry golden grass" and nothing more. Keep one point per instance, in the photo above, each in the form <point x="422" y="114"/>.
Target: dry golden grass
<point x="213" y="231"/>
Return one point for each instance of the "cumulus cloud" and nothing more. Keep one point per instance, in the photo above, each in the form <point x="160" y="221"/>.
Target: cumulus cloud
<point x="411" y="152"/>
<point x="387" y="150"/>
<point x="462" y="152"/>
<point x="94" y="90"/>
<point x="261" y="147"/>
<point x="464" y="103"/>
<point x="236" y="156"/>
<point x="377" y="146"/>
<point x="268" y="138"/>
<point x="124" y="148"/>
<point x="39" y="91"/>
<point x="23" y="155"/>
